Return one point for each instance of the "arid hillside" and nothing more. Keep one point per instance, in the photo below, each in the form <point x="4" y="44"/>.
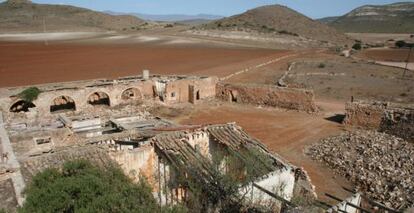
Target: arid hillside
<point x="25" y="16"/>
<point x="279" y="20"/>
<point x="392" y="18"/>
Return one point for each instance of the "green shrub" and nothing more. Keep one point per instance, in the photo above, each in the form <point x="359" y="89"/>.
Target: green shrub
<point x="81" y="187"/>
<point x="357" y="46"/>
<point x="400" y="44"/>
<point x="321" y="65"/>
<point x="29" y="94"/>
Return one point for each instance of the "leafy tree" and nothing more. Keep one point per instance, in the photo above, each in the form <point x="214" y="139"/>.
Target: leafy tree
<point x="30" y="94"/>
<point x="81" y="187"/>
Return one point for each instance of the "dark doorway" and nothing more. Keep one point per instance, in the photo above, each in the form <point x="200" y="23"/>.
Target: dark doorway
<point x="198" y="95"/>
<point x="99" y="98"/>
<point x="131" y="94"/>
<point x="63" y="104"/>
<point x="21" y="106"/>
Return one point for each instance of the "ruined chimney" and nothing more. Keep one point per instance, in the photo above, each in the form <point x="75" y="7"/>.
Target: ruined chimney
<point x="145" y="74"/>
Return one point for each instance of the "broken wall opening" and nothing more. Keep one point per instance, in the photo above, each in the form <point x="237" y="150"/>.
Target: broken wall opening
<point x="21" y="106"/>
<point x="63" y="104"/>
<point x="99" y="98"/>
<point x="233" y="96"/>
<point x="131" y="94"/>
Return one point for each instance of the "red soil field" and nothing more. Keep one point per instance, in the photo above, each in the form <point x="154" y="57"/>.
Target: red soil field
<point x="395" y="55"/>
<point x="35" y="63"/>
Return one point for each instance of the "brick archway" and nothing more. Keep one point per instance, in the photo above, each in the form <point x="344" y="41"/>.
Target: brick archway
<point x="62" y="104"/>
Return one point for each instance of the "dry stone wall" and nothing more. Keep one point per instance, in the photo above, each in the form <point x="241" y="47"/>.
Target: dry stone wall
<point x="267" y="95"/>
<point x="380" y="165"/>
<point x="385" y="117"/>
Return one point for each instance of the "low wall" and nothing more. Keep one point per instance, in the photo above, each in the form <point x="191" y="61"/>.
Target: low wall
<point x="267" y="95"/>
<point x="366" y="115"/>
<point x="390" y="118"/>
<point x="32" y="166"/>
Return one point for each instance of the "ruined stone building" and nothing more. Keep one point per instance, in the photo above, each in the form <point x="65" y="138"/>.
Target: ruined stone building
<point x="105" y="121"/>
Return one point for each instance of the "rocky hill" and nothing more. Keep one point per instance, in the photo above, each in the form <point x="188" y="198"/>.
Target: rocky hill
<point x="25" y="16"/>
<point x="391" y="18"/>
<point x="281" y="20"/>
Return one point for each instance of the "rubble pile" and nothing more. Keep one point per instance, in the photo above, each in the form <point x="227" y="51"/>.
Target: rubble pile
<point x="380" y="165"/>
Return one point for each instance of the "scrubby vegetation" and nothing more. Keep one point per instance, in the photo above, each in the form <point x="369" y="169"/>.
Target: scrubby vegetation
<point x="30" y="94"/>
<point x="81" y="187"/>
<point x="321" y="65"/>
<point x="402" y="44"/>
<point x="357" y="46"/>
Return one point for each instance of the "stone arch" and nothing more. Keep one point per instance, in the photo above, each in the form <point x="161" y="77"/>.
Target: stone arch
<point x="63" y="104"/>
<point x="99" y="98"/>
<point x="21" y="106"/>
<point x="131" y="94"/>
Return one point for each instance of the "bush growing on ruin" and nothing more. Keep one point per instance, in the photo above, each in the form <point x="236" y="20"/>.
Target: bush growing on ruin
<point x="357" y="46"/>
<point x="400" y="44"/>
<point x="321" y="65"/>
<point x="29" y="94"/>
<point x="81" y="187"/>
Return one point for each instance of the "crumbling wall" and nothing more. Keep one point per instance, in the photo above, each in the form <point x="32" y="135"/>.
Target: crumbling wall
<point x="304" y="189"/>
<point x="267" y="95"/>
<point x="399" y="122"/>
<point x="390" y="118"/>
<point x="8" y="200"/>
<point x="280" y="182"/>
<point x="364" y="115"/>
<point x="137" y="162"/>
<point x="33" y="165"/>
<point x="24" y="143"/>
<point x="179" y="91"/>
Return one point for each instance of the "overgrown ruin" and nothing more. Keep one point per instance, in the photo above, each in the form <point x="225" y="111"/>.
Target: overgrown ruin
<point x="107" y="121"/>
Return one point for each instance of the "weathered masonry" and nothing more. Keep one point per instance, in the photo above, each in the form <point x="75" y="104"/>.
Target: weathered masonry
<point x="267" y="95"/>
<point x="391" y="118"/>
<point x="171" y="158"/>
<point x="86" y="95"/>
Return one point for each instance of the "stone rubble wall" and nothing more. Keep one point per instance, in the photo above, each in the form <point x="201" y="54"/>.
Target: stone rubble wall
<point x="384" y="117"/>
<point x="268" y="95"/>
<point x="32" y="166"/>
<point x="380" y="165"/>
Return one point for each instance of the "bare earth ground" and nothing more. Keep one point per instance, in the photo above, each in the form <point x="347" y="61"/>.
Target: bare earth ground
<point x="339" y="78"/>
<point x="386" y="54"/>
<point x="380" y="37"/>
<point x="35" y="63"/>
<point x="284" y="132"/>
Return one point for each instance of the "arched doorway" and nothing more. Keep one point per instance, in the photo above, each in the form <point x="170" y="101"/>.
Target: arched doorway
<point x="131" y="94"/>
<point x="63" y="104"/>
<point x="99" y="98"/>
<point x="21" y="106"/>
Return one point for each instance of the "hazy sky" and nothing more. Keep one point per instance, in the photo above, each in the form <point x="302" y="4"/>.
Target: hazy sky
<point x="311" y="8"/>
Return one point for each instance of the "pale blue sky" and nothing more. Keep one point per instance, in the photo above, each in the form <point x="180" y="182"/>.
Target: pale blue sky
<point x="311" y="8"/>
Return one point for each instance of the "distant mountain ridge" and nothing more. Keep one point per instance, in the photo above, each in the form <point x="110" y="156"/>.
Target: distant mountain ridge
<point x="391" y="18"/>
<point x="328" y="20"/>
<point x="279" y="19"/>
<point x="25" y="16"/>
<point x="169" y="17"/>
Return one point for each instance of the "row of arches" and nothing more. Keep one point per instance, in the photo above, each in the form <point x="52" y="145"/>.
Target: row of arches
<point x="65" y="103"/>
